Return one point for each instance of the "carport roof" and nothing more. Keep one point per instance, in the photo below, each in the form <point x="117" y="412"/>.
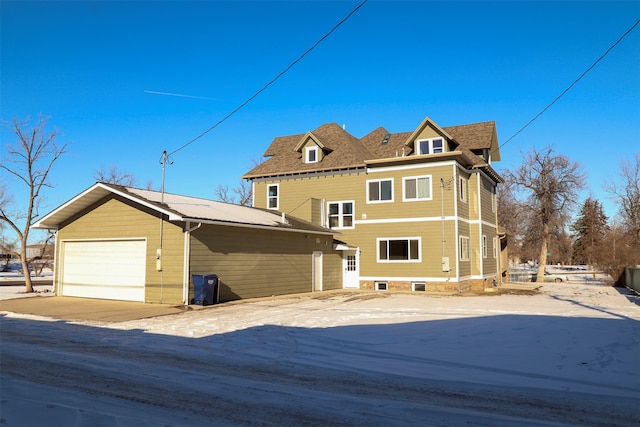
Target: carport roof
<point x="178" y="208"/>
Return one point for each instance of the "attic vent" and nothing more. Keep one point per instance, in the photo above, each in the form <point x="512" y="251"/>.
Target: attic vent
<point x="386" y="139"/>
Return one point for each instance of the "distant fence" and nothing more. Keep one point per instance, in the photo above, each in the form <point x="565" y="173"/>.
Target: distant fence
<point x="632" y="278"/>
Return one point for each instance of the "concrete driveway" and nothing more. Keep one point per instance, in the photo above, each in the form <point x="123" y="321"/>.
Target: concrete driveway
<point x="83" y="309"/>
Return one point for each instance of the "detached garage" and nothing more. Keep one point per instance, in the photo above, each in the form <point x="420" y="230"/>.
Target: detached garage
<point x="122" y="243"/>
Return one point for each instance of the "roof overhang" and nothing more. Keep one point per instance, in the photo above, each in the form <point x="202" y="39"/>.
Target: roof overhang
<point x="458" y="156"/>
<point x="90" y="196"/>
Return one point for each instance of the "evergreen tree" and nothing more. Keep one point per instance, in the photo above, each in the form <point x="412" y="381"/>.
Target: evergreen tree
<point x="589" y="230"/>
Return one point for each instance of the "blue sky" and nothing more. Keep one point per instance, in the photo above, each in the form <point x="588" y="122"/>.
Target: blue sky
<point x="102" y="72"/>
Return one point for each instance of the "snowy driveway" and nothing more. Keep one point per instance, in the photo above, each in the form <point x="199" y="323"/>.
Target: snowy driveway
<point x="566" y="356"/>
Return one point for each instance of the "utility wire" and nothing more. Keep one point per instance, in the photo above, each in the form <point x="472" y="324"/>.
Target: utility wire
<point x="570" y="86"/>
<point x="238" y="108"/>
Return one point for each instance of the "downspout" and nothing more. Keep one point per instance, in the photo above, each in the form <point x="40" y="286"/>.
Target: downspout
<point x="55" y="261"/>
<point x="186" y="262"/>
<point x="457" y="227"/>
<point x="480" y="226"/>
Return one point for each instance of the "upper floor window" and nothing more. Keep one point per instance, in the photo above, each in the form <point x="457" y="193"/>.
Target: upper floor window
<point x="494" y="199"/>
<point x="272" y="196"/>
<point x="462" y="189"/>
<point x="417" y="188"/>
<point x="431" y="146"/>
<point x="311" y="154"/>
<point x="399" y="250"/>
<point x="380" y="190"/>
<point x="341" y="214"/>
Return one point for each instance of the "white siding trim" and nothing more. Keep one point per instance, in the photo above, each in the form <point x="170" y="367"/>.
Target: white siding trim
<point x="388" y="169"/>
<point x="404" y="279"/>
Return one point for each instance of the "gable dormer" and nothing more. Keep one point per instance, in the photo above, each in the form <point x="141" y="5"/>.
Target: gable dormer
<point x="429" y="138"/>
<point x="312" y="150"/>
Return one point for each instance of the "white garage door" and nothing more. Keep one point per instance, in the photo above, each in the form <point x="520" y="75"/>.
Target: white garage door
<point x="107" y="269"/>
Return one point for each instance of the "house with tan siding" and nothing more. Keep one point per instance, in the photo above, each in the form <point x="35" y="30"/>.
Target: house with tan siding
<point x="123" y="243"/>
<point x="415" y="210"/>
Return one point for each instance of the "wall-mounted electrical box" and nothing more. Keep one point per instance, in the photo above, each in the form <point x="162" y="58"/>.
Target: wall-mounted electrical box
<point x="445" y="264"/>
<point x="159" y="260"/>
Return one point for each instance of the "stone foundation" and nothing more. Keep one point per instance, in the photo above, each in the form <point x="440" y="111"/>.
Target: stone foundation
<point x="476" y="285"/>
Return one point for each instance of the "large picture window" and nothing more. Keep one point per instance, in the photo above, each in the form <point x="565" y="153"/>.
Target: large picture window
<point x="417" y="188"/>
<point x="399" y="250"/>
<point x="272" y="196"/>
<point x="380" y="190"/>
<point x="341" y="214"/>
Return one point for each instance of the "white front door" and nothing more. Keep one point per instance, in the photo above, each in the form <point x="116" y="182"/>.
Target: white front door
<point x="351" y="270"/>
<point x="317" y="271"/>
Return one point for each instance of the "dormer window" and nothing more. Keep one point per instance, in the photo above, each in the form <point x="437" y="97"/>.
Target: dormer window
<point x="311" y="154"/>
<point x="430" y="146"/>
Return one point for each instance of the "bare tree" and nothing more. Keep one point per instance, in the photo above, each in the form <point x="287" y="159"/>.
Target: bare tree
<point x="627" y="192"/>
<point x="114" y="176"/>
<point x="550" y="184"/>
<point x="625" y="231"/>
<point x="241" y="195"/>
<point x="29" y="160"/>
<point x="511" y="219"/>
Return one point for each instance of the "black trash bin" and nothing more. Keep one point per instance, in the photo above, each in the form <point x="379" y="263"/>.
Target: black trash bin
<point x="205" y="289"/>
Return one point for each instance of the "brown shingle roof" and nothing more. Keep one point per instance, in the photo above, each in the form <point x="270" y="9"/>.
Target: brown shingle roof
<point x="476" y="136"/>
<point x="347" y="151"/>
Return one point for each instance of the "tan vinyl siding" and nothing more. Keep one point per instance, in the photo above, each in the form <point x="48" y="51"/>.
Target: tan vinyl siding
<point x="257" y="263"/>
<point x="486" y="188"/>
<point x="114" y="218"/>
<point x="465" y="266"/>
<point x="297" y="194"/>
<point x="490" y="264"/>
<point x="430" y="234"/>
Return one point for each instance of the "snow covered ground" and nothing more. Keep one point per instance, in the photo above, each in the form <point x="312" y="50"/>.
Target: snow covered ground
<point x="567" y="355"/>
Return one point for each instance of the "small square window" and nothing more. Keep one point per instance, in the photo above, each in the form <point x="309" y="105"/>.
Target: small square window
<point x="381" y="286"/>
<point x="312" y="154"/>
<point x="419" y="286"/>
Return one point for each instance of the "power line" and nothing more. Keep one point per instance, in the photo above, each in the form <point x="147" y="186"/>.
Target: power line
<point x="570" y="86"/>
<point x="238" y="108"/>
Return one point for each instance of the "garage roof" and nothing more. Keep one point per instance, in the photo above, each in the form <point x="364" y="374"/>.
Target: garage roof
<point x="178" y="208"/>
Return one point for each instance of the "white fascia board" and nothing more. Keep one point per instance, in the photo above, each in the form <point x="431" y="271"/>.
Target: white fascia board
<point x="257" y="226"/>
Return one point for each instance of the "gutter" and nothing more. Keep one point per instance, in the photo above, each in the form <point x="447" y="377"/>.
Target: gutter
<point x="187" y="258"/>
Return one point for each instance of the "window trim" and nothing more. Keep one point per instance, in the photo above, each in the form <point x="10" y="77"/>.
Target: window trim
<point x="464" y="255"/>
<point x="379" y="181"/>
<point x="463" y="189"/>
<point x="494" y="198"/>
<point x="485" y="246"/>
<point x="277" y="196"/>
<point x="376" y="285"/>
<point x="495" y="247"/>
<point x="341" y="214"/>
<point x="430" y="142"/>
<point x="308" y="151"/>
<point x="416" y="178"/>
<point x="421" y="284"/>
<point x="408" y="239"/>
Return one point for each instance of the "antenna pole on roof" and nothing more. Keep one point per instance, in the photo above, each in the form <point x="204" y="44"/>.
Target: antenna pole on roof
<point x="163" y="162"/>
